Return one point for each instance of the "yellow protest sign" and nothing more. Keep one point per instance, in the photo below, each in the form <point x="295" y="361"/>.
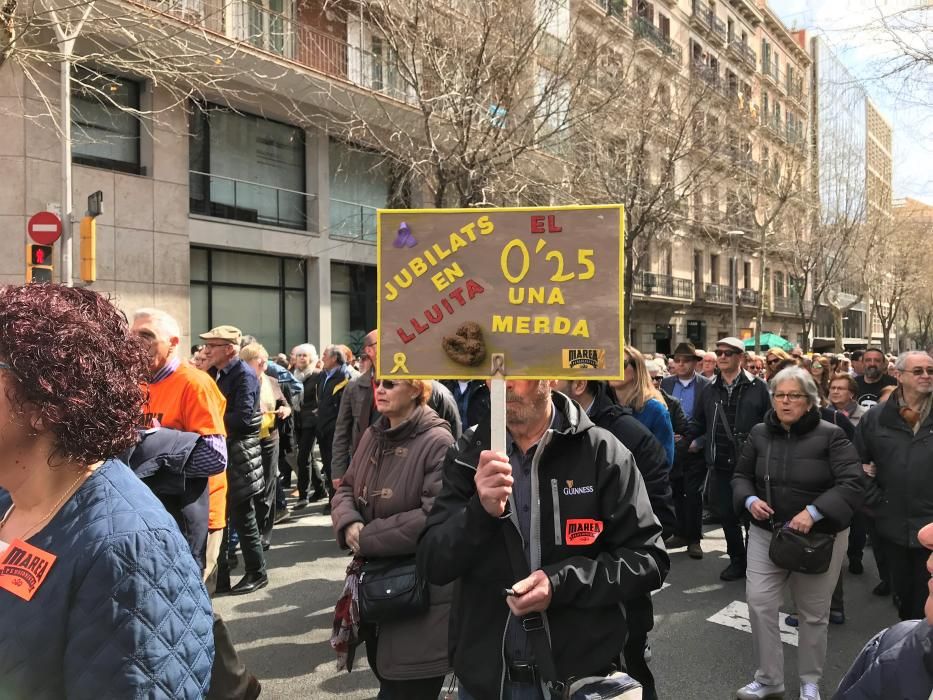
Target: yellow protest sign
<point x="541" y="286"/>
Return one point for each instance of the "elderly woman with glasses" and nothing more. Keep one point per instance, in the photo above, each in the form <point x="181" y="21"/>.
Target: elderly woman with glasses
<point x="801" y="473"/>
<point x="379" y="510"/>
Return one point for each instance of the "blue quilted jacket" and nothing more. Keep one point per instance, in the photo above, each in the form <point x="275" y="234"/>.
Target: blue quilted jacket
<point x="122" y="613"/>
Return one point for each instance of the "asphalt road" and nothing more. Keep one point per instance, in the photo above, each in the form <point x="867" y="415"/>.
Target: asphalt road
<point x="282" y="631"/>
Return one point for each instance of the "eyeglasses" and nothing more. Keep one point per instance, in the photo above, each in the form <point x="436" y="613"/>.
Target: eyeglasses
<point x="817" y="365"/>
<point x="774" y="361"/>
<point x="792" y="396"/>
<point x="916" y="371"/>
<point x="217" y="345"/>
<point x="629" y="364"/>
<point x="656" y="380"/>
<point x="727" y="353"/>
<point x="387" y="384"/>
<point x="4" y="365"/>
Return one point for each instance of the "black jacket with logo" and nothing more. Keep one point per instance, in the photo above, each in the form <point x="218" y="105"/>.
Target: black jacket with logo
<point x="583" y="477"/>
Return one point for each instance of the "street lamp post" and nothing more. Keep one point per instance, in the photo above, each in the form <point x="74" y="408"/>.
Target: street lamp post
<point x="735" y="235"/>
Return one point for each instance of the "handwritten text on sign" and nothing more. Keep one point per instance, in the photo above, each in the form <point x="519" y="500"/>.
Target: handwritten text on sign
<point x="541" y="286"/>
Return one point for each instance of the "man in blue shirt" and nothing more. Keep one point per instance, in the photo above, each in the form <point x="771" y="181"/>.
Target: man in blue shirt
<point x="689" y="471"/>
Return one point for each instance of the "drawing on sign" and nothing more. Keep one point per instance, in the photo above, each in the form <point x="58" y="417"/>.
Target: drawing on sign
<point x="466" y="346"/>
<point x="541" y="288"/>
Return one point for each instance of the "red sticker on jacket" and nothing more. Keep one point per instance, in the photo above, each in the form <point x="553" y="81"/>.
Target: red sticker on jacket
<point x="23" y="569"/>
<point x="582" y="531"/>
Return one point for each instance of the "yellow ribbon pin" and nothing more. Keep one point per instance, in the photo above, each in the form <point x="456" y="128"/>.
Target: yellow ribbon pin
<point x="399" y="359"/>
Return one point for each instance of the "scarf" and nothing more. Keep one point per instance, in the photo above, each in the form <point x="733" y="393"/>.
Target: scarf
<point x="345" y="637"/>
<point x="302" y="374"/>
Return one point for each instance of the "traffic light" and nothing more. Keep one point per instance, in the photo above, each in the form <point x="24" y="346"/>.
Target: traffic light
<point x="39" y="266"/>
<point x="89" y="249"/>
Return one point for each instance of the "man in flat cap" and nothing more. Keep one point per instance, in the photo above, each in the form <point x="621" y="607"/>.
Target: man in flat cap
<point x="724" y="413"/>
<point x="242" y="419"/>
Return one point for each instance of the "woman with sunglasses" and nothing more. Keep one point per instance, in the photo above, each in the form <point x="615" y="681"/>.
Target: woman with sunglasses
<point x="798" y="472"/>
<point x="818" y="366"/>
<point x="775" y="360"/>
<point x="99" y="594"/>
<point x="638" y="392"/>
<point x="379" y="510"/>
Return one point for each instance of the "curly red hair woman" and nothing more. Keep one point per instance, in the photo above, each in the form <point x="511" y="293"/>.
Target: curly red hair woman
<point x="87" y="552"/>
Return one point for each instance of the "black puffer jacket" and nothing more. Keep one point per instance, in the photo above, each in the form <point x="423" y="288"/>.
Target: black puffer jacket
<point x="901" y="496"/>
<point x="811" y="464"/>
<point x="244" y="465"/>
<point x="242" y="419"/>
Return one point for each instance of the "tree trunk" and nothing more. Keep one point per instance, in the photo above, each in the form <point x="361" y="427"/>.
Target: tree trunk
<point x="760" y="314"/>
<point x="838" y="329"/>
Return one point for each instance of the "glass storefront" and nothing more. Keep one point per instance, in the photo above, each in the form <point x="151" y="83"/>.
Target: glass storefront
<point x="262" y="295"/>
<point x="352" y="302"/>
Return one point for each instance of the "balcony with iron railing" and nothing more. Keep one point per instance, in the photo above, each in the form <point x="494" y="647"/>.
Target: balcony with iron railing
<point x="718" y="294"/>
<point x="707" y="74"/>
<point x="769" y="70"/>
<point x="614" y="8"/>
<point x="285" y="37"/>
<point x="252" y="202"/>
<point x="705" y="21"/>
<point x="794" y="88"/>
<point x="645" y="29"/>
<point x="749" y="297"/>
<point x="650" y="284"/>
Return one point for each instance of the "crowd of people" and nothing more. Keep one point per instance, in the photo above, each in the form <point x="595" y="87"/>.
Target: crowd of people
<point x="137" y="476"/>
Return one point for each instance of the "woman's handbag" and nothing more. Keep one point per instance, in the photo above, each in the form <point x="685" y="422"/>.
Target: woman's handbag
<point x="809" y="553"/>
<point x="390" y="588"/>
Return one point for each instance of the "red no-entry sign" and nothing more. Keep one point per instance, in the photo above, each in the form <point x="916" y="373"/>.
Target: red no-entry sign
<point x="44" y="227"/>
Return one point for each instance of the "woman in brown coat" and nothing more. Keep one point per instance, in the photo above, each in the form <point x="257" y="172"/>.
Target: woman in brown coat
<point x="379" y="510"/>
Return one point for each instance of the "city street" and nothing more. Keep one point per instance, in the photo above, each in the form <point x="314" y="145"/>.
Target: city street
<point x="701" y="646"/>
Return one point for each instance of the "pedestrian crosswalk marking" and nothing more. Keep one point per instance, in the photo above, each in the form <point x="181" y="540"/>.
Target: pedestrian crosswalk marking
<point x="705" y="589"/>
<point x="735" y="615"/>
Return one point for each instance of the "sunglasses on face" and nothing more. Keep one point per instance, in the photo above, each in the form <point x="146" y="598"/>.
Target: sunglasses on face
<point x="656" y="380"/>
<point x="916" y="371"/>
<point x="387" y="384"/>
<point x="817" y="365"/>
<point x="773" y="361"/>
<point x="727" y="353"/>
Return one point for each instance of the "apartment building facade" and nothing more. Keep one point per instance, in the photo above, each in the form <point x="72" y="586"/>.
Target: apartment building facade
<point x="686" y="287"/>
<point x="233" y="206"/>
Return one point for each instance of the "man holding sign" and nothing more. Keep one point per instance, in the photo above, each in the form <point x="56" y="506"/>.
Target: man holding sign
<point x="590" y="540"/>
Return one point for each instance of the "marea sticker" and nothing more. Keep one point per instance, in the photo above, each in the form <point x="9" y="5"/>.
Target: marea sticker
<point x="583" y="358"/>
<point x="23" y="569"/>
<point x="582" y="531"/>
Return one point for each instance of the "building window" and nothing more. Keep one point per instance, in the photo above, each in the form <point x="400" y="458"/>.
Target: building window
<point x="262" y="295"/>
<point x="352" y="302"/>
<point x="714" y="277"/>
<point x="247" y="168"/>
<point x="360" y="183"/>
<point x="105" y="122"/>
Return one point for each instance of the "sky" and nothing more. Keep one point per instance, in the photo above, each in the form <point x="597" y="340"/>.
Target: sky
<point x="852" y="28"/>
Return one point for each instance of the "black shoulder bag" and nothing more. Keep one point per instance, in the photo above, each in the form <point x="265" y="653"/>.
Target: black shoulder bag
<point x="809" y="553"/>
<point x="617" y="685"/>
<point x="390" y="589"/>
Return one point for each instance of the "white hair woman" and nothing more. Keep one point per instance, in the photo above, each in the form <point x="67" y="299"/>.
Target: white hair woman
<point x="801" y="473"/>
